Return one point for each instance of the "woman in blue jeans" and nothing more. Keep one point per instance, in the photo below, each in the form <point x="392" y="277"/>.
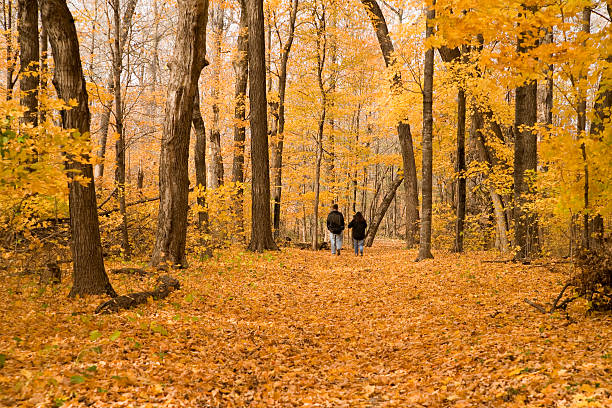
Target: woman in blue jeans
<point x="358" y="226"/>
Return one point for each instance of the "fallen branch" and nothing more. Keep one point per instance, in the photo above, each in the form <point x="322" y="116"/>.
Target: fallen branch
<point x="130" y="271"/>
<point x="165" y="285"/>
<point x="536" y="305"/>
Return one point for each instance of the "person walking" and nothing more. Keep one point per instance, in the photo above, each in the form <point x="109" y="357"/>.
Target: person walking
<point x="358" y="225"/>
<point x="335" y="226"/>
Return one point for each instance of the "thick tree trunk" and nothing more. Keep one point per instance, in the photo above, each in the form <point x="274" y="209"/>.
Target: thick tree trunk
<point x="426" y="201"/>
<point x="241" y="67"/>
<point x="403" y="128"/>
<point x="29" y="57"/>
<point x="120" y="143"/>
<point x="382" y="210"/>
<point x="215" y="165"/>
<point x="525" y="160"/>
<point x="261" y="231"/>
<point x="277" y="145"/>
<point x="110" y="85"/>
<point x="89" y="276"/>
<point x="185" y="67"/>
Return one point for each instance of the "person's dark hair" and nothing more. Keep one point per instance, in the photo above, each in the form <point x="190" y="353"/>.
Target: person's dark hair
<point x="335" y="206"/>
<point x="358" y="216"/>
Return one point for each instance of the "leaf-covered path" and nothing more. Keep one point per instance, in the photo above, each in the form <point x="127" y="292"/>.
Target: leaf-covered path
<point x="297" y="328"/>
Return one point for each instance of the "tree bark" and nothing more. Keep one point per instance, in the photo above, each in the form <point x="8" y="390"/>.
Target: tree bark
<point x="403" y="127"/>
<point x="426" y="201"/>
<point x="120" y="144"/>
<point x="89" y="276"/>
<point x="29" y="57"/>
<point x="261" y="231"/>
<point x="241" y="67"/>
<point x="277" y="145"/>
<point x="382" y="210"/>
<point x="525" y="159"/>
<point x="185" y="67"/>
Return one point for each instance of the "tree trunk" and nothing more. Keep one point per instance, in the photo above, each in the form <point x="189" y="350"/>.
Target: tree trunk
<point x="317" y="180"/>
<point x="89" y="276"/>
<point x="380" y="214"/>
<point x="30" y="57"/>
<point x="321" y="40"/>
<point x="106" y="112"/>
<point x="10" y="52"/>
<point x="185" y="67"/>
<point x="261" y="231"/>
<point x="525" y="160"/>
<point x="277" y="145"/>
<point x="199" y="156"/>
<point x="403" y="127"/>
<point x="601" y="120"/>
<point x="120" y="144"/>
<point x="426" y="201"/>
<point x="44" y="45"/>
<point x="461" y="169"/>
<point x="581" y="130"/>
<point x="487" y="157"/>
<point x="241" y="67"/>
<point x="215" y="178"/>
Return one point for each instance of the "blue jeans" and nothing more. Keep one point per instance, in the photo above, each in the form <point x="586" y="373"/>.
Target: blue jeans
<point x="358" y="245"/>
<point x="335" y="242"/>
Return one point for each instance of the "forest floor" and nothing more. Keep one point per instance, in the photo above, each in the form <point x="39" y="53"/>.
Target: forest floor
<point x="297" y="328"/>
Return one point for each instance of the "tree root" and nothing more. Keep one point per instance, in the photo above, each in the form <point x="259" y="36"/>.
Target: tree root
<point x="165" y="285"/>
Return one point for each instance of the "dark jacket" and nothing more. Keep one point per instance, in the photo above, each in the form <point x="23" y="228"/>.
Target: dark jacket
<point x="359" y="229"/>
<point x="335" y="222"/>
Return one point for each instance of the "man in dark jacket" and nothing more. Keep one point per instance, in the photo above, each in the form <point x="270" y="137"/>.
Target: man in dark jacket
<point x="359" y="225"/>
<point x="335" y="225"/>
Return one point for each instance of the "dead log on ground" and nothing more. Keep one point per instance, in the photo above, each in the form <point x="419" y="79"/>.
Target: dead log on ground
<point x="165" y="285"/>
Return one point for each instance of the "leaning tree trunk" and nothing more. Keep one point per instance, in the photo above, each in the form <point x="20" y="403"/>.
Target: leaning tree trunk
<point x="30" y="56"/>
<point x="487" y="157"/>
<point x="277" y="146"/>
<point x="89" y="276"/>
<point x="186" y="65"/>
<point x="426" y="201"/>
<point x="261" y="231"/>
<point x="241" y="67"/>
<point x="403" y="127"/>
<point x="525" y="159"/>
<point x="382" y="210"/>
